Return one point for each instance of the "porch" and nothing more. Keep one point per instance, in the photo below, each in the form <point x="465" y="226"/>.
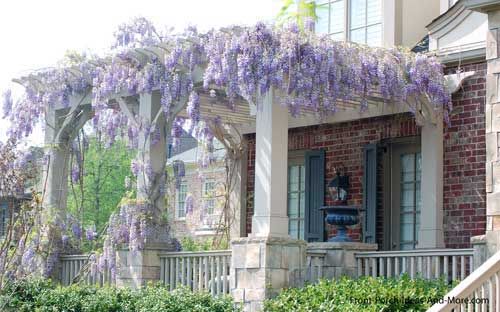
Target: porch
<point x="210" y="270"/>
<point x="278" y="233"/>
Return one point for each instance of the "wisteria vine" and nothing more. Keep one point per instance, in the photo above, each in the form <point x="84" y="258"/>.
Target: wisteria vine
<point x="309" y="72"/>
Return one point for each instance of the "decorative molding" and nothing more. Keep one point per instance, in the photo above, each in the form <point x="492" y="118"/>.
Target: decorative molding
<point x="454" y="81"/>
<point x="458" y="34"/>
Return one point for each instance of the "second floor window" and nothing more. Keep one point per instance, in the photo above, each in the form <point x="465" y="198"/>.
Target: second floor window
<point x="352" y="20"/>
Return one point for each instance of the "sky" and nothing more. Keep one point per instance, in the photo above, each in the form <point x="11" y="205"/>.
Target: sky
<point x="35" y="34"/>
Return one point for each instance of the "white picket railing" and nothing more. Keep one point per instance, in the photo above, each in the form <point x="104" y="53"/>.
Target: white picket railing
<point x="451" y="264"/>
<point x="206" y="270"/>
<point x="77" y="265"/>
<point x="315" y="261"/>
<point x="480" y="291"/>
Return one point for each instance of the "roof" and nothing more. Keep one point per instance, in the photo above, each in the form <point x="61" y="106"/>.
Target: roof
<point x="191" y="155"/>
<point x="422" y="46"/>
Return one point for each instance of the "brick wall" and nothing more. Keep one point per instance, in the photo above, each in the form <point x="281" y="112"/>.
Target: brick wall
<point x="464" y="173"/>
<point x="196" y="225"/>
<point x="465" y="161"/>
<point x="343" y="144"/>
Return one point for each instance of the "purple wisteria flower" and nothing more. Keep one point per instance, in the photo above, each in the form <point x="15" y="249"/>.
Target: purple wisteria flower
<point x="7" y="103"/>
<point x="76" y="230"/>
<point x="189" y="203"/>
<point x="90" y="233"/>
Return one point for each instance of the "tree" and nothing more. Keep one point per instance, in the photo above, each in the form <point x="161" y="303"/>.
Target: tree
<point x="98" y="184"/>
<point x="298" y="11"/>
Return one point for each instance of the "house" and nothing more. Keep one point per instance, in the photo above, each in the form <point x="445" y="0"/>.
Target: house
<point x="204" y="187"/>
<point x="9" y="204"/>
<point x="386" y="147"/>
<point x="428" y="189"/>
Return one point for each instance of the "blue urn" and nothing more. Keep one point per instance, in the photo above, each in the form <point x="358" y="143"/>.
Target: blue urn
<point x="341" y="217"/>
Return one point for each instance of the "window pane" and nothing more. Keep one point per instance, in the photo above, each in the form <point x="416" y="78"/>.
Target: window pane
<point x="374" y="35"/>
<point x="181" y="200"/>
<point x="302" y="177"/>
<point x="407" y="226"/>
<point x="293" y="178"/>
<point x="301" y="229"/>
<point x="294" y="228"/>
<point x="419" y="166"/>
<point x="293" y="205"/>
<point x="321" y="25"/>
<point x="337" y="17"/>
<point x="302" y="204"/>
<point x="374" y="11"/>
<point x="358" y="35"/>
<point x="407" y="197"/>
<point x="358" y="14"/>
<point x="418" y="197"/>
<point x="407" y="167"/>
<point x="417" y="226"/>
<point x="210" y="206"/>
<point x="295" y="202"/>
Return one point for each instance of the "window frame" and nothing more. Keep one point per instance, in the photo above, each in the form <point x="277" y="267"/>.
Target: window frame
<point x="209" y="197"/>
<point x="297" y="158"/>
<point x="178" y="201"/>
<point x="391" y="192"/>
<point x="347" y="20"/>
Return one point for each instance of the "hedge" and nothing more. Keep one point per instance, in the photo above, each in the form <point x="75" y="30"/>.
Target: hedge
<point x="364" y="294"/>
<point x="45" y="296"/>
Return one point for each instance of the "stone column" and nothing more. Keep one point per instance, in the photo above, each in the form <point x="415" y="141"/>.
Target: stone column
<point x="55" y="173"/>
<point x="136" y="268"/>
<point x="271" y="170"/>
<point x="151" y="151"/>
<point x="268" y="260"/>
<point x="431" y="214"/>
<point x="492" y="112"/>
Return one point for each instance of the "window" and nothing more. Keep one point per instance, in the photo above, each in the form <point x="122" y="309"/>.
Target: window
<point x="296" y="200"/>
<point x="181" y="201"/>
<point x="410" y="201"/>
<point x="208" y="196"/>
<point x="331" y="19"/>
<point x="402" y="194"/>
<point x="364" y="20"/>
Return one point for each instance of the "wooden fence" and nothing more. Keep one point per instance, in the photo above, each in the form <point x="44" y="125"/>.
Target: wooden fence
<point x="206" y="270"/>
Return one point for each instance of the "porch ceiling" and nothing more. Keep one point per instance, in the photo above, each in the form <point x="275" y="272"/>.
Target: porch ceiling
<point x="242" y="114"/>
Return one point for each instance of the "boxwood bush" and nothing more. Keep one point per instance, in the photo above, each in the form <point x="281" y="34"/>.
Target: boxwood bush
<point x="45" y="296"/>
<point x="364" y="294"/>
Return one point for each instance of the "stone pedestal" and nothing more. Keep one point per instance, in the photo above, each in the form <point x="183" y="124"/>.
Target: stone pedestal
<point x="479" y="244"/>
<point x="136" y="268"/>
<point x="262" y="266"/>
<point x="339" y="257"/>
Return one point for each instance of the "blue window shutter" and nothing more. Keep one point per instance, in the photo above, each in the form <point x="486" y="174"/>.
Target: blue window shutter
<point x="314" y="195"/>
<point x="370" y="193"/>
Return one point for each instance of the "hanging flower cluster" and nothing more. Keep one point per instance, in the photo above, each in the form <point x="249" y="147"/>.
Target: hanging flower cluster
<point x="179" y="172"/>
<point x="308" y="71"/>
<point x="129" y="227"/>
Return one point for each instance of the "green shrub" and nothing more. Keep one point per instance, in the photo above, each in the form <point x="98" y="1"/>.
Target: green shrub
<point x="44" y="296"/>
<point x="364" y="294"/>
